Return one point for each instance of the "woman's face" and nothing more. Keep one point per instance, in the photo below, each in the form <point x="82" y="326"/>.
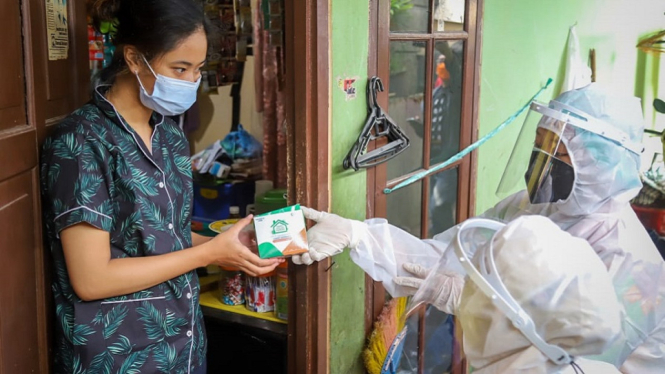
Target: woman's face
<point x="184" y="62"/>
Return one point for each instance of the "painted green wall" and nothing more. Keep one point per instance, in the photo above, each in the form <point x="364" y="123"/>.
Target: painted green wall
<point x="349" y="44"/>
<point x="524" y="43"/>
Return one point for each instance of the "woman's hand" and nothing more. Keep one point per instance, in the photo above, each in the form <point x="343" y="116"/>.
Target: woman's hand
<point x="248" y="238"/>
<point x="230" y="248"/>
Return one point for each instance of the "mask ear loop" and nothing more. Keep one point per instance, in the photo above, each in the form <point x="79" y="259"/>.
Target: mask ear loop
<point x="577" y="368"/>
<point x="149" y="67"/>
<point x="136" y="73"/>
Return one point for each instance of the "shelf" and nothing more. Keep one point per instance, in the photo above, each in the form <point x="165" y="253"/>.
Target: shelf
<point x="212" y="307"/>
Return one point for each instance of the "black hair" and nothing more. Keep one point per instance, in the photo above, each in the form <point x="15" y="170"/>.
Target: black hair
<point x="154" y="27"/>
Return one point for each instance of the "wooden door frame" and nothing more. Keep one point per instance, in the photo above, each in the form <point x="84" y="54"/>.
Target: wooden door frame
<point x="379" y="25"/>
<point x="307" y="99"/>
<point x="35" y="61"/>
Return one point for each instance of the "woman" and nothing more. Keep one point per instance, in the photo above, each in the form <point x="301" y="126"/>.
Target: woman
<point x="117" y="193"/>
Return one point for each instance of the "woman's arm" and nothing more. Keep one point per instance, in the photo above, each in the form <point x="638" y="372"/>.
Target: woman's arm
<point x="199" y="239"/>
<point x="94" y="275"/>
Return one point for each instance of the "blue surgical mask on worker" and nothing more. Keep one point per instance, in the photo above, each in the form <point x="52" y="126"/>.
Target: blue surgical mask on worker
<point x="170" y="96"/>
<point x="548" y="179"/>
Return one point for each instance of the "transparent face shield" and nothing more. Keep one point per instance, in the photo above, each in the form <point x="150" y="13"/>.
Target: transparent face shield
<point x="540" y="162"/>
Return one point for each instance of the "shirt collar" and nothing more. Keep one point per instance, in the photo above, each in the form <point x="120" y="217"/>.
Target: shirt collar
<point x="99" y="99"/>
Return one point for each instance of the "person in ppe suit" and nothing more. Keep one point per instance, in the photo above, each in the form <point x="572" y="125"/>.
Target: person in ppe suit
<point x="581" y="171"/>
<point x="525" y="308"/>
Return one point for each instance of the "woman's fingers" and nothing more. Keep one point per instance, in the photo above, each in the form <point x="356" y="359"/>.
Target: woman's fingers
<point x="238" y="226"/>
<point x="254" y="270"/>
<point x="252" y="258"/>
<point x="258" y="265"/>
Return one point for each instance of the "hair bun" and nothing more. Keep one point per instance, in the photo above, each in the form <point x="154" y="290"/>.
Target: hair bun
<point x="103" y="10"/>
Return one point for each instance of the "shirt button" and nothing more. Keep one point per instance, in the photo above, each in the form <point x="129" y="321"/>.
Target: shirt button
<point x="189" y="295"/>
<point x="170" y="226"/>
<point x="189" y="333"/>
<point x="161" y="185"/>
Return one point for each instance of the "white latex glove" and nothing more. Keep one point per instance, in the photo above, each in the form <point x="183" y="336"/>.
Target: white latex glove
<point x="329" y="236"/>
<point x="446" y="288"/>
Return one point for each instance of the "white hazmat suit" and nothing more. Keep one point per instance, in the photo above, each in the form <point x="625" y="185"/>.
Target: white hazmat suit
<point x="571" y="305"/>
<point x="606" y="178"/>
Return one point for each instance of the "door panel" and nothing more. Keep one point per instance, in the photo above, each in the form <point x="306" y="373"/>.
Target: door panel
<point x="59" y="88"/>
<point x="33" y="92"/>
<point x="18" y="309"/>
<point x="12" y="87"/>
<point x="61" y="81"/>
<point x="18" y="153"/>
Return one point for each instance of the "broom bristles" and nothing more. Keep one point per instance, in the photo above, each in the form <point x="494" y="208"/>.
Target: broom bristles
<point x="389" y="323"/>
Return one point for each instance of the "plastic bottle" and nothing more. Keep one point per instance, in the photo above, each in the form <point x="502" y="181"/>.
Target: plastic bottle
<point x="232" y="286"/>
<point x="260" y="293"/>
<point x="282" y="291"/>
<point x="234" y="212"/>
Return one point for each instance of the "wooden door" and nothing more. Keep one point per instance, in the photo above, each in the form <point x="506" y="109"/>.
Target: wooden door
<point x="33" y="92"/>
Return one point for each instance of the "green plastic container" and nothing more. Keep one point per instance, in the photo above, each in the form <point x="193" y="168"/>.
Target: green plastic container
<point x="270" y="201"/>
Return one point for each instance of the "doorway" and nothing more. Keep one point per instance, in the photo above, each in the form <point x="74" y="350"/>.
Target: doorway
<point x="42" y="86"/>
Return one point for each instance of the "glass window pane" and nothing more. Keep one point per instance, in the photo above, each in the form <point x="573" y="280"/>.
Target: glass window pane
<point x="448" y="15"/>
<point x="409" y="15"/>
<point x="439" y="339"/>
<point x="404" y="208"/>
<point x="446" y="100"/>
<point x="407" y="91"/>
<point x="442" y="213"/>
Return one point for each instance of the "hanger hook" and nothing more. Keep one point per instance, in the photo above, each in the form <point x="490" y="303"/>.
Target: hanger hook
<point x="375" y="85"/>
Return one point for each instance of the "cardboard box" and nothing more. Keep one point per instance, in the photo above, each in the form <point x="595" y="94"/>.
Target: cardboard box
<point x="281" y="233"/>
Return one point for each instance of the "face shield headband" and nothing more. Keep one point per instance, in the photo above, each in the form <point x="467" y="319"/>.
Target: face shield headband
<point x="488" y="280"/>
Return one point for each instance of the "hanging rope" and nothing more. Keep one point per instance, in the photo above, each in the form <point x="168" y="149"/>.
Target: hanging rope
<point x="469" y="149"/>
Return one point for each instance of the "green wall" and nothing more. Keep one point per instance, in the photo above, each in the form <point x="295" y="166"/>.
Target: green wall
<point x="350" y="36"/>
<point x="524" y="43"/>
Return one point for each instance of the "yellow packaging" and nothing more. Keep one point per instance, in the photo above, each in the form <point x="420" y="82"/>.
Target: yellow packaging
<point x="281" y="233"/>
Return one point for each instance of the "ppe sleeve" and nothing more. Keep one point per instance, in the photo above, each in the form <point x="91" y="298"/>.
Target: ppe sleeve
<point x="384" y="248"/>
<point x="76" y="181"/>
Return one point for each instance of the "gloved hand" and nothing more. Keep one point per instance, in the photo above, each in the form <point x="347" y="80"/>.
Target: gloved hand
<point x="329" y="236"/>
<point x="446" y="289"/>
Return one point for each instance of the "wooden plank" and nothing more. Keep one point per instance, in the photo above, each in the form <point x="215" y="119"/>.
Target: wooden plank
<point x="12" y="74"/>
<point x="478" y="8"/>
<point x="308" y="120"/>
<point x="18" y="151"/>
<point x="18" y="332"/>
<point x="455" y="35"/>
<point x="35" y="54"/>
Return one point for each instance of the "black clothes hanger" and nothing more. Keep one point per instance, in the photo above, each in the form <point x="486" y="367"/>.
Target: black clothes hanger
<point x="378" y="125"/>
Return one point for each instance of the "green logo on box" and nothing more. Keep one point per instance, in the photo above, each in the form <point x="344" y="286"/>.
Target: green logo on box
<point x="279" y="227"/>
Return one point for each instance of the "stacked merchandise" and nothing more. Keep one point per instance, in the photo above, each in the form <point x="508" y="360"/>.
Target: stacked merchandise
<point x="224" y="176"/>
<point x="231" y="45"/>
<point x="100" y="45"/>
<point x="649" y="204"/>
<point x="237" y="157"/>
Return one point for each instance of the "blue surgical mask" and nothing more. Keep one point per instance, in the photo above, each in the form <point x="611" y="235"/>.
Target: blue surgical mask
<point x="170" y="96"/>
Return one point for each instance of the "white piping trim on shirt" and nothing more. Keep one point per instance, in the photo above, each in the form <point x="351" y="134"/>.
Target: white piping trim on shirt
<point x="81" y="207"/>
<point x="191" y="347"/>
<point x="134" y="300"/>
<point x="148" y="157"/>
